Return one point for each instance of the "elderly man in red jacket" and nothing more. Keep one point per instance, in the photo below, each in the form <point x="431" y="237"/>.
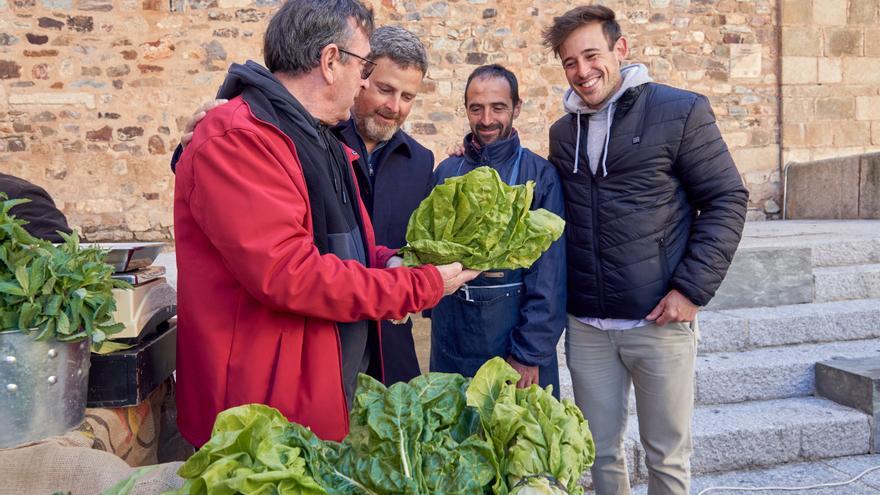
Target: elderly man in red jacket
<point x="280" y="280"/>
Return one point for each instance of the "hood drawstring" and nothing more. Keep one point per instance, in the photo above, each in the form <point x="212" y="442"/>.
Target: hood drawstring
<point x="607" y="138"/>
<point x="577" y="143"/>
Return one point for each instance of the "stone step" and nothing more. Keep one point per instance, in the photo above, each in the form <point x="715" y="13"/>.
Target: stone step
<point x="759" y="434"/>
<point x="749" y="328"/>
<point x="775" y="261"/>
<point x="794" y="476"/>
<point x="846" y="283"/>
<point x="831" y="242"/>
<point x="770" y="373"/>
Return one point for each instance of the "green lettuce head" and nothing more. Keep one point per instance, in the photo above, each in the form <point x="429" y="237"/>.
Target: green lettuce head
<point x="482" y="222"/>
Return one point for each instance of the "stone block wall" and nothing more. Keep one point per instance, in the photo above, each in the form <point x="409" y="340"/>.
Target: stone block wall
<point x="830" y="78"/>
<point x="94" y="93"/>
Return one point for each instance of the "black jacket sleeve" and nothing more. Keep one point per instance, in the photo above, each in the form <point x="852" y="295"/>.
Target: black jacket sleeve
<point x="714" y="187"/>
<point x="43" y="217"/>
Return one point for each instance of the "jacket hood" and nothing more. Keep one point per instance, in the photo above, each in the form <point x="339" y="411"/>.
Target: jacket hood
<point x="633" y="75"/>
<point x="253" y="76"/>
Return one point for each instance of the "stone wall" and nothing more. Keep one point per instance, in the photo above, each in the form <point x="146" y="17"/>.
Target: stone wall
<point x="830" y="78"/>
<point x="93" y="93"/>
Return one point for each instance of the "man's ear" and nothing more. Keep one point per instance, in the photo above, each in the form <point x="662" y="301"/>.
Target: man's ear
<point x="329" y="62"/>
<point x="621" y="49"/>
<point x="516" y="109"/>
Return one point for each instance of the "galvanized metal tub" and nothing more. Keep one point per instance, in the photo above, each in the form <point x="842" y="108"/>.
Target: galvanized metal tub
<point x="43" y="387"/>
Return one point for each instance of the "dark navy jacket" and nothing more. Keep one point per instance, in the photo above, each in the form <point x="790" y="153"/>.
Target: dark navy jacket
<point x="542" y="316"/>
<point x="400" y="180"/>
<point x="636" y="233"/>
<point x="392" y="185"/>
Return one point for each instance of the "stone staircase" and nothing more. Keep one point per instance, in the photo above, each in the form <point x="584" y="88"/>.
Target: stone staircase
<point x="798" y="292"/>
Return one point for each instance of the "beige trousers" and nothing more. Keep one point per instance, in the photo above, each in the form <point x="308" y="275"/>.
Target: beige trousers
<point x="659" y="362"/>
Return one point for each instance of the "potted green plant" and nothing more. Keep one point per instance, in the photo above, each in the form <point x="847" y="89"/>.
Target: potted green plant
<point x="55" y="300"/>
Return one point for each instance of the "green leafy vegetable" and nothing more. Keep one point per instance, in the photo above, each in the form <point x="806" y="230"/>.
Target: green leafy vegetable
<point x="482" y="222"/>
<point x="534" y="435"/>
<point x="412" y="438"/>
<point x="439" y="434"/>
<point x="246" y="455"/>
<point x="59" y="292"/>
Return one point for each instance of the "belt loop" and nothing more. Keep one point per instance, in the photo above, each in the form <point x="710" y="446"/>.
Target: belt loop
<point x="467" y="293"/>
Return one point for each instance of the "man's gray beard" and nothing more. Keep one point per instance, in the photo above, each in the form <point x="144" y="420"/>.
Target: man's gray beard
<point x="375" y="131"/>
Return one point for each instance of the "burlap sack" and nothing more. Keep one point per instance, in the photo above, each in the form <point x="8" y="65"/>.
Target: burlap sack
<point x="67" y="464"/>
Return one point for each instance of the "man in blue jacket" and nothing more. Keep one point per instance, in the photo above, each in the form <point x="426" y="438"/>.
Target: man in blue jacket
<point x="393" y="171"/>
<point x="516" y="314"/>
<point x="655" y="209"/>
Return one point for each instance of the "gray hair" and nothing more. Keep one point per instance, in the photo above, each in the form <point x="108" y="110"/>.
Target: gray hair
<point x="401" y="46"/>
<point x="301" y="29"/>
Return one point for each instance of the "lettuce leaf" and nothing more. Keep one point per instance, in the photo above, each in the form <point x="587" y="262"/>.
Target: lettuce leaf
<point x="534" y="436"/>
<point x="482" y="222"/>
<point x="246" y="455"/>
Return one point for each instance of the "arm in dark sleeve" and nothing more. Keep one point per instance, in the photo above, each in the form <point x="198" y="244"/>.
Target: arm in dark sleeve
<point x="429" y="184"/>
<point x="44" y="219"/>
<point x="714" y="187"/>
<point x="542" y="315"/>
<point x="176" y="157"/>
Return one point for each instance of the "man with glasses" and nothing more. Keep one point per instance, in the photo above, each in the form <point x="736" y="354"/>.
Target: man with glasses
<point x="393" y="170"/>
<point x="515" y="314"/>
<point x="279" y="277"/>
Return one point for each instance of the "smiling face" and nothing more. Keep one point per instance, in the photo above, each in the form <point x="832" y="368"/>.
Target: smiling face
<point x="490" y="109"/>
<point x="592" y="69"/>
<point x="383" y="107"/>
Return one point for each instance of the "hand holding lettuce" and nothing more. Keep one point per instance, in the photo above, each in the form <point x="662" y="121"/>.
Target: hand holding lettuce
<point x="482" y="222"/>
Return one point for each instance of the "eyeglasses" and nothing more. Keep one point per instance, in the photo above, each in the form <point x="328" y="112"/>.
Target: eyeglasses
<point x="369" y="65"/>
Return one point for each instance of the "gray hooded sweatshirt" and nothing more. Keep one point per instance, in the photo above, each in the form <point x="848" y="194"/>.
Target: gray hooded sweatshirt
<point x="597" y="150"/>
<point x="600" y="118"/>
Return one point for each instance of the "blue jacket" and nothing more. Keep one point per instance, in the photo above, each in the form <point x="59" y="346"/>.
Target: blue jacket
<point x="542" y="316"/>
<point x="392" y="182"/>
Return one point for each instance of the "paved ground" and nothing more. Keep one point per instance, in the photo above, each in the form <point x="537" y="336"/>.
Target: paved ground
<point x="794" y="476"/>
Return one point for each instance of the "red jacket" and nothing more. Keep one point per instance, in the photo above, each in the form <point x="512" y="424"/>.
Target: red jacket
<point x="257" y="303"/>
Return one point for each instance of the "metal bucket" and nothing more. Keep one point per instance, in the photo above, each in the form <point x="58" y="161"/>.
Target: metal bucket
<point x="43" y="387"/>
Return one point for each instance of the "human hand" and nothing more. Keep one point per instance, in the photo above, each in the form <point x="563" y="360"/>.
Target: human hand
<point x="196" y="118"/>
<point x="674" y="307"/>
<point x="528" y="374"/>
<point x="454" y="276"/>
<point x="457" y="150"/>
<point x="394" y="262"/>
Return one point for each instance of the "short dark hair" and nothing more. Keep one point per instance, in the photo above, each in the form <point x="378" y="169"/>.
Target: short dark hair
<point x="556" y="34"/>
<point x="492" y="71"/>
<point x="301" y="29"/>
<point x="400" y="46"/>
